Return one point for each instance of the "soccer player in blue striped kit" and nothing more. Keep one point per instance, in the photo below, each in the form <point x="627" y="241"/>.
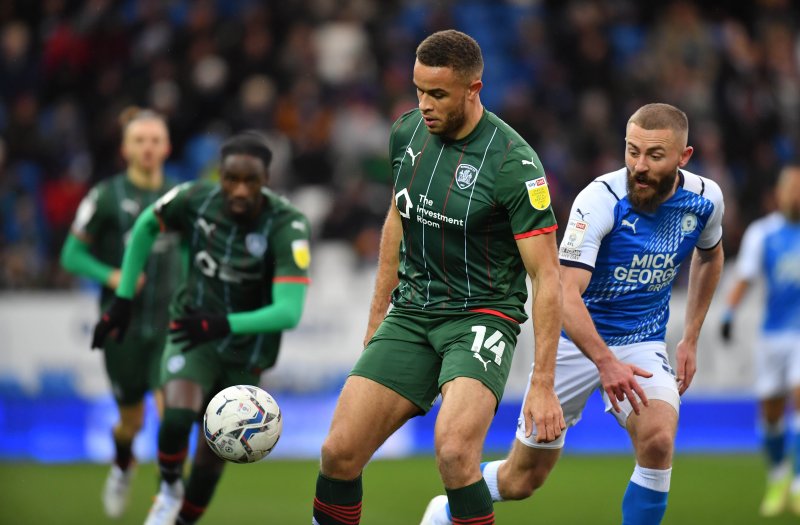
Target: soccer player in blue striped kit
<point x="627" y="235"/>
<point x="771" y="248"/>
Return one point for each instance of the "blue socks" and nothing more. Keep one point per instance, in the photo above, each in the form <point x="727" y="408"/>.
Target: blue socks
<point x="645" y="500"/>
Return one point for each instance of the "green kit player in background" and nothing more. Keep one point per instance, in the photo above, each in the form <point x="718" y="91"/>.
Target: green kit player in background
<point x="246" y="283"/>
<point x="94" y="250"/>
<point x="470" y="219"/>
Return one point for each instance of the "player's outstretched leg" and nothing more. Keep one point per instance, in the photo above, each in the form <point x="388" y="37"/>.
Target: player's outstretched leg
<point x="116" y="489"/>
<point x="173" y="441"/>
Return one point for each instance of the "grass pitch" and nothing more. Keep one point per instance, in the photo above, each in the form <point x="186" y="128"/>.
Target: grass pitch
<point x="582" y="489"/>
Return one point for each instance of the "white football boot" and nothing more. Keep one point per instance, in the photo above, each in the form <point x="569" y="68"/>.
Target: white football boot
<point x="116" y="491"/>
<point x="436" y="512"/>
<point x="167" y="504"/>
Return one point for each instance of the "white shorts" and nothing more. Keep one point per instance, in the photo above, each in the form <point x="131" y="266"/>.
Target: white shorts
<point x="577" y="377"/>
<point x="777" y="364"/>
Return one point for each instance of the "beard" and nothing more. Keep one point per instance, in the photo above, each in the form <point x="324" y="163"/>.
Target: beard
<point x="453" y="123"/>
<point x="645" y="202"/>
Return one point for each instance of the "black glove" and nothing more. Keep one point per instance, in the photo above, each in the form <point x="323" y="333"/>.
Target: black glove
<point x="197" y="328"/>
<point x="726" y="328"/>
<point x="117" y="317"/>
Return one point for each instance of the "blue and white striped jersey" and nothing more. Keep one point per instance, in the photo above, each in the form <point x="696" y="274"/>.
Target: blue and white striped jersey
<point x="771" y="247"/>
<point x="635" y="256"/>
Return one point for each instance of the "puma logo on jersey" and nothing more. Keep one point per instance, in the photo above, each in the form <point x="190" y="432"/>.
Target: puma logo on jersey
<point x="583" y="215"/>
<point x="411" y="154"/>
<point x="207" y="228"/>
<point x="528" y="162"/>
<point x="629" y="224"/>
<point x="485" y="363"/>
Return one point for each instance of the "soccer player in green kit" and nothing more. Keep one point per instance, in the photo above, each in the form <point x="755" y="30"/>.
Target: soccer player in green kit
<point x="94" y="250"/>
<point x="246" y="283"/>
<point x="470" y="218"/>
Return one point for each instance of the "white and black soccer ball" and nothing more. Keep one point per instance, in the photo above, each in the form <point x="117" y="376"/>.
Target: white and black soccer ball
<point x="242" y="424"/>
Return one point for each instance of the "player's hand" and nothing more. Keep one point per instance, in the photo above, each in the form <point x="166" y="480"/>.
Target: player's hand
<point x="542" y="411"/>
<point x="196" y="328"/>
<point x="619" y="382"/>
<point x="117" y="317"/>
<point x="116" y="276"/>
<point x="726" y="328"/>
<point x="686" y="357"/>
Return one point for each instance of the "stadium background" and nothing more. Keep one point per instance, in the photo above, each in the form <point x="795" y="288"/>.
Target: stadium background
<point x="325" y="79"/>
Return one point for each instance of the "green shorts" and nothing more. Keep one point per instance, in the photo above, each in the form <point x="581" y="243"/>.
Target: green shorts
<point x="415" y="353"/>
<point x="205" y="366"/>
<point x="134" y="366"/>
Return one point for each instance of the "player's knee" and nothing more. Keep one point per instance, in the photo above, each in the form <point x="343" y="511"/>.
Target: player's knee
<point x="452" y="455"/>
<point x="339" y="460"/>
<point x="129" y="426"/>
<point x="656" y="445"/>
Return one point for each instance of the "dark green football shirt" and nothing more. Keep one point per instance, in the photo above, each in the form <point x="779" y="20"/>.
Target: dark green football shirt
<point x="463" y="205"/>
<point x="232" y="265"/>
<point x="106" y="216"/>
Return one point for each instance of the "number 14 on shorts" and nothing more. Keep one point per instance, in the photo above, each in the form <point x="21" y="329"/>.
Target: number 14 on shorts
<point x="491" y="343"/>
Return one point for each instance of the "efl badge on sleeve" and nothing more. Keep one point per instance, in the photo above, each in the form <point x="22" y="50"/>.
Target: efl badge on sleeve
<point x="573" y="237"/>
<point x="538" y="193"/>
<point x="256" y="244"/>
<point x="301" y="253"/>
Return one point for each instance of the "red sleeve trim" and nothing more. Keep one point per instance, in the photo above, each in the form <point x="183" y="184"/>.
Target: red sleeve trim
<point x="494" y="313"/>
<point x="292" y="279"/>
<point x="533" y="233"/>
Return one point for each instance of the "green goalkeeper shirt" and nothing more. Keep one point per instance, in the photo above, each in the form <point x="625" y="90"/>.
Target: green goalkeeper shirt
<point x="463" y="204"/>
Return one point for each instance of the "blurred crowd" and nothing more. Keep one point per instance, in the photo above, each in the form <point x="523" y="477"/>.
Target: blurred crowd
<point x="326" y="78"/>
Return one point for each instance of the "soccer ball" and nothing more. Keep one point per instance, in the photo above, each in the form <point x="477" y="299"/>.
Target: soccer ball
<point x="242" y="424"/>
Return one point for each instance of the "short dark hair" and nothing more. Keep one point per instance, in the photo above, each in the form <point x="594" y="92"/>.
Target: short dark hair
<point x="453" y="49"/>
<point x="661" y="116"/>
<point x="249" y="142"/>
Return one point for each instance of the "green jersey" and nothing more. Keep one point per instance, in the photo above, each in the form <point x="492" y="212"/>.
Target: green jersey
<point x="463" y="205"/>
<point x="234" y="264"/>
<point x="105" y="217"/>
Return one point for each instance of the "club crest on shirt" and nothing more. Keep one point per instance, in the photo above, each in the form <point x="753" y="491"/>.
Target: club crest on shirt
<point x="538" y="193"/>
<point x="301" y="253"/>
<point x="256" y="244"/>
<point x="688" y="222"/>
<point x="466" y="175"/>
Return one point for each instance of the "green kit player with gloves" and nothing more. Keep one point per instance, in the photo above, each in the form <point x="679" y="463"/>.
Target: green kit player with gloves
<point x="246" y="283"/>
<point x="94" y="250"/>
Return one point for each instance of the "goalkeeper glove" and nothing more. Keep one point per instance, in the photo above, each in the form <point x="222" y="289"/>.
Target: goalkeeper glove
<point x="196" y="328"/>
<point x="117" y="317"/>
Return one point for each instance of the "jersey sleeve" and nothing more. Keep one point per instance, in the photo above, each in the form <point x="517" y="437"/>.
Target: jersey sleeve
<point x="751" y="252"/>
<point x="90" y="219"/>
<point x="523" y="191"/>
<point x="712" y="233"/>
<point x="172" y="208"/>
<point x="590" y="220"/>
<point x="291" y="250"/>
